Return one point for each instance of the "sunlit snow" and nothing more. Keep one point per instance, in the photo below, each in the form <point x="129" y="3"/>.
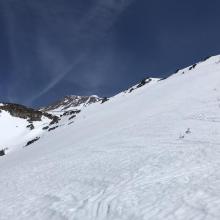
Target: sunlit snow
<point x="153" y="153"/>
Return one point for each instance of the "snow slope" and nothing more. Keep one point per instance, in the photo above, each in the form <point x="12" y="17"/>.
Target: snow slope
<point x="153" y="153"/>
<point x="15" y="132"/>
<point x="20" y="125"/>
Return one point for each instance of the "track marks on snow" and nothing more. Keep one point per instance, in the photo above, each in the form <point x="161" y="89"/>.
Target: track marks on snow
<point x="122" y="200"/>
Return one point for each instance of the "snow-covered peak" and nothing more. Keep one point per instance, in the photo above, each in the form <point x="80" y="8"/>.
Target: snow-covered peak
<point x="71" y="102"/>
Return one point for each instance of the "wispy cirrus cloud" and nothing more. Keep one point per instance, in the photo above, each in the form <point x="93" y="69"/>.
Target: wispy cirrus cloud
<point x="55" y="42"/>
<point x="89" y="30"/>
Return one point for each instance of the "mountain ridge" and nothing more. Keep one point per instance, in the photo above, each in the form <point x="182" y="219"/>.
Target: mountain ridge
<point x="152" y="153"/>
<point x="64" y="111"/>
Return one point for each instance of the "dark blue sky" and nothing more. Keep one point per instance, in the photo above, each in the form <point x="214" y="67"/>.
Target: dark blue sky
<point x="52" y="48"/>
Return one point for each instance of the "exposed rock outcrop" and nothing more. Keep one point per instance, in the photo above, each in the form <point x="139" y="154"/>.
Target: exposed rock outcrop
<point x="71" y="101"/>
<point x="24" y="112"/>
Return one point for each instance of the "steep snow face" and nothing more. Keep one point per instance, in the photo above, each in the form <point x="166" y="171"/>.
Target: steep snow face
<point x="16" y="132"/>
<point x="19" y="124"/>
<point x="152" y="153"/>
<point x="11" y="129"/>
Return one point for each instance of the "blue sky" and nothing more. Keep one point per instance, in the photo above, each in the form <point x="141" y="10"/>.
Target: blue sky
<point x="52" y="48"/>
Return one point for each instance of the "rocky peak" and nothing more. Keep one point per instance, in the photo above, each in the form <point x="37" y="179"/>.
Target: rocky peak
<point x="72" y="101"/>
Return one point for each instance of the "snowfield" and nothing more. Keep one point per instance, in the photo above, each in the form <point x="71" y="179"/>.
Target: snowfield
<point x="14" y="132"/>
<point x="153" y="153"/>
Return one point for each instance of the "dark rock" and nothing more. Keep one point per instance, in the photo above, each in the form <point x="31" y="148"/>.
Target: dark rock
<point x="24" y="112"/>
<point x="55" y="120"/>
<point x="2" y="152"/>
<point x="177" y="70"/>
<point x="206" y="58"/>
<point x="21" y="111"/>
<point x="71" y="112"/>
<point x="31" y="126"/>
<point x="131" y="90"/>
<point x="188" y="131"/>
<point x="192" y="67"/>
<point x="45" y="128"/>
<point x="163" y="78"/>
<point x="53" y="128"/>
<point x="105" y="99"/>
<point x="143" y="82"/>
<point x="32" y="141"/>
<point x="73" y="116"/>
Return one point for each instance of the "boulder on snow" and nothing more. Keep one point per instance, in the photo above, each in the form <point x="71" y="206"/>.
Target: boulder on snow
<point x="2" y="152"/>
<point x="105" y="99"/>
<point x="32" y="141"/>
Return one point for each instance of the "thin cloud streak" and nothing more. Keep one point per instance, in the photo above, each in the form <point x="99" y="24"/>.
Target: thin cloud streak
<point x="93" y="27"/>
<point x="55" y="81"/>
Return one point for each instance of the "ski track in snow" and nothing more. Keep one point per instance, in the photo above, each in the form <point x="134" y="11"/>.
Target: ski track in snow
<point x="129" y="159"/>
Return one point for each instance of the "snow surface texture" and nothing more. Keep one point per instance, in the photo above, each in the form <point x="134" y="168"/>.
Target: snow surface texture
<point x="153" y="153"/>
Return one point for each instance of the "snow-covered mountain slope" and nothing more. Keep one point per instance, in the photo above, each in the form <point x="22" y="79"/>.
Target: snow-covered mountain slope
<point x="19" y="125"/>
<point x="153" y="153"/>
